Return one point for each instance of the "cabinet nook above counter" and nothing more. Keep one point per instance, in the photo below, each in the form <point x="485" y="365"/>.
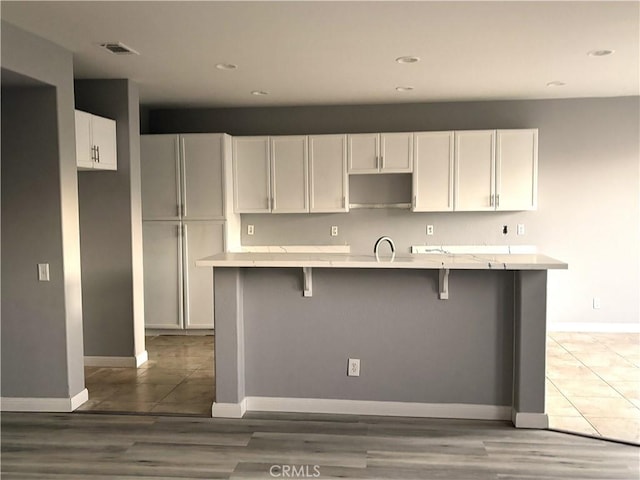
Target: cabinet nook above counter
<point x="477" y="170"/>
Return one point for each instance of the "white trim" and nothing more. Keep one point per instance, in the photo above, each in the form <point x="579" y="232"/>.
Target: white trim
<point x="529" y="420"/>
<point x="367" y="407"/>
<point x="229" y="410"/>
<point x="142" y="358"/>
<point x="30" y="404"/>
<point x="115" y="362"/>
<point x="600" y="327"/>
<point x="296" y="248"/>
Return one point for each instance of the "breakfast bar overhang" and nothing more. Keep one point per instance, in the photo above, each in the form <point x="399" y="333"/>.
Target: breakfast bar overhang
<point x="438" y="335"/>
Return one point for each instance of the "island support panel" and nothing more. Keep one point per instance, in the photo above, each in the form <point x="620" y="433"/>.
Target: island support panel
<point x="479" y="355"/>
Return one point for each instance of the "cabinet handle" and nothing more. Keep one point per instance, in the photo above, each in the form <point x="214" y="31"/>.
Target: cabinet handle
<point x="344" y="202"/>
<point x="381" y="162"/>
<point x="98" y="153"/>
<point x="377" y="163"/>
<point x="491" y="200"/>
<point x="498" y="200"/>
<point x="414" y="201"/>
<point x="93" y="153"/>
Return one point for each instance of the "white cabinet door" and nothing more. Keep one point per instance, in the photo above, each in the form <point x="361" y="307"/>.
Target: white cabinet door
<point x="162" y="257"/>
<point x="84" y="147"/>
<point x="103" y="135"/>
<point x="363" y="153"/>
<point x="289" y="180"/>
<point x="202" y="176"/>
<point x="159" y="164"/>
<point x="251" y="174"/>
<point x="433" y="172"/>
<point x="396" y="152"/>
<point x="474" y="170"/>
<point x="516" y="169"/>
<point x="328" y="181"/>
<point x="200" y="239"/>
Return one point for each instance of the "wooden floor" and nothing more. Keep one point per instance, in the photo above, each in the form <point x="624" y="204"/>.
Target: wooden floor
<point x="100" y="446"/>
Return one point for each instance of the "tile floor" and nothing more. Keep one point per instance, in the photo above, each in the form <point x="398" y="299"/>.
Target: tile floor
<point x="178" y="378"/>
<point x="593" y="384"/>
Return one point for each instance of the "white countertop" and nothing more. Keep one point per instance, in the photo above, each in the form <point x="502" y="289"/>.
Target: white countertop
<point x="514" y="261"/>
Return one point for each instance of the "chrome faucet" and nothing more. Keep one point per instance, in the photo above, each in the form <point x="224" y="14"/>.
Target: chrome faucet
<point x="391" y="244"/>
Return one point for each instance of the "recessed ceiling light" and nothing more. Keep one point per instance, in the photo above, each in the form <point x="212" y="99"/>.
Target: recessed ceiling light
<point x="226" y="66"/>
<point x="259" y="93"/>
<point x="600" y="53"/>
<point x="556" y="83"/>
<point x="408" y="59"/>
<point x="404" y="89"/>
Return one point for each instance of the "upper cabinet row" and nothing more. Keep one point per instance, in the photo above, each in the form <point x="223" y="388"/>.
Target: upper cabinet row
<point x="290" y="174"/>
<point x="479" y="170"/>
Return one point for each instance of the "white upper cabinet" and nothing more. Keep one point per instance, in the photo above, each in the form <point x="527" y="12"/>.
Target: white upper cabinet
<point x="328" y="181"/>
<point x="182" y="177"/>
<point x="96" y="146"/>
<point x="364" y="153"/>
<point x="433" y="172"/>
<point x="396" y="152"/>
<point x="251" y="174"/>
<point x="380" y="153"/>
<point x="202" y="176"/>
<point x="474" y="170"/>
<point x="289" y="178"/>
<point x="496" y="170"/>
<point x="159" y="171"/>
<point x="516" y="169"/>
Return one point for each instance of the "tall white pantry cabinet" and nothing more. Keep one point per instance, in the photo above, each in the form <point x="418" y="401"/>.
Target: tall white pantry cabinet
<point x="183" y="212"/>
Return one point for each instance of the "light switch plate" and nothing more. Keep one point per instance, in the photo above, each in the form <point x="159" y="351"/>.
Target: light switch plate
<point x="250" y="230"/>
<point x="334" y="230"/>
<point x="43" y="272"/>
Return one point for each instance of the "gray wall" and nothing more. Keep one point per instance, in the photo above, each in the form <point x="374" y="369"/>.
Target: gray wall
<point x="111" y="228"/>
<point x="588" y="215"/>
<point x="42" y="353"/>
<point x="412" y="346"/>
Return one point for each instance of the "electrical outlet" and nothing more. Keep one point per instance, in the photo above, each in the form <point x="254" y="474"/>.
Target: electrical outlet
<point x="429" y="229"/>
<point x="520" y="229"/>
<point x="353" y="368"/>
<point x="334" y="230"/>
<point x="596" y="303"/>
<point x="43" y="272"/>
<point x="250" y="230"/>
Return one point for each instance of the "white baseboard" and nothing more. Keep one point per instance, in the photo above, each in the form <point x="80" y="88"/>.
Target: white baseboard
<point x="529" y="420"/>
<point x="14" y="404"/>
<point x="229" y="410"/>
<point x="142" y="358"/>
<point x="117" y="362"/>
<point x="601" y="327"/>
<point x="366" y="407"/>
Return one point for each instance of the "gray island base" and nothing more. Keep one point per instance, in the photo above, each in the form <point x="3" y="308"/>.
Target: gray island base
<point x="480" y="354"/>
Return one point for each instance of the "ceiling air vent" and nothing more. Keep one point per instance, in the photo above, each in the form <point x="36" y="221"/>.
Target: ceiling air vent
<point x="118" y="48"/>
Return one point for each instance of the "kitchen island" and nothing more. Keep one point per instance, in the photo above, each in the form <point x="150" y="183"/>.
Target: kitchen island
<point x="438" y="335"/>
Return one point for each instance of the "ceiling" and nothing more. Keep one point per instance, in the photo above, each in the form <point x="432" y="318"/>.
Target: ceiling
<point x="341" y="52"/>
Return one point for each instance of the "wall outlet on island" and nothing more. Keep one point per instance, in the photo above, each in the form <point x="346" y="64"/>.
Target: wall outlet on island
<point x="429" y="229"/>
<point x="250" y="230"/>
<point x="520" y="229"/>
<point x="353" y="367"/>
<point x="596" y="303"/>
<point x="334" y="230"/>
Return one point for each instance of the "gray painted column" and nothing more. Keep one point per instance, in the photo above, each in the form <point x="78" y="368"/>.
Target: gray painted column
<point x="229" y="343"/>
<point x="530" y="349"/>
